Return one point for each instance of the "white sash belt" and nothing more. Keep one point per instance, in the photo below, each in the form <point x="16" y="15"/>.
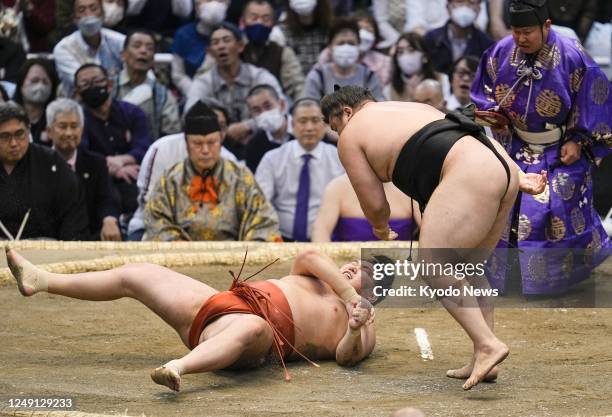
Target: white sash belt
<point x="548" y="137"/>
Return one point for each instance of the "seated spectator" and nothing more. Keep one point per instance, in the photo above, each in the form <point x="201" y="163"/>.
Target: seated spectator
<point x="464" y="72"/>
<point x="65" y="120"/>
<point x="115" y="129"/>
<point x="36" y="88"/>
<point x="430" y="92"/>
<point x="162" y="17"/>
<point x="458" y="37"/>
<point x="341" y="219"/>
<point x="345" y="68"/>
<point x="89" y="44"/>
<point x="206" y="197"/>
<point x="424" y="16"/>
<point x="305" y="28"/>
<point x="270" y="113"/>
<point x="230" y="79"/>
<point x="163" y="155"/>
<point x="368" y="55"/>
<point x="257" y="22"/>
<point x="294" y="176"/>
<point x="192" y="39"/>
<point x="137" y="84"/>
<point x="40" y="194"/>
<point x="411" y="64"/>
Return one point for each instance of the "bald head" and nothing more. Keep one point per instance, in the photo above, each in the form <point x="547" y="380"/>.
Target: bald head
<point x="408" y="412"/>
<point x="430" y="92"/>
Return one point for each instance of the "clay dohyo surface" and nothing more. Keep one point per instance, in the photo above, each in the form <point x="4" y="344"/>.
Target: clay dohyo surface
<point x="100" y="354"/>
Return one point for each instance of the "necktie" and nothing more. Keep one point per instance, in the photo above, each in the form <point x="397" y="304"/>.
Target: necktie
<point x="300" y="221"/>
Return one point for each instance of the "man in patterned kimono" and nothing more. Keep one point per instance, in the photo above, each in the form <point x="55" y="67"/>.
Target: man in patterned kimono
<point x="558" y="103"/>
<point x="206" y="197"/>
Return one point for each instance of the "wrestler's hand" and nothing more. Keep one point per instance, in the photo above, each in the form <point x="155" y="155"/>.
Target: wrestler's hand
<point x="360" y="313"/>
<point x="385" y="233"/>
<point x="532" y="183"/>
<point x="570" y="152"/>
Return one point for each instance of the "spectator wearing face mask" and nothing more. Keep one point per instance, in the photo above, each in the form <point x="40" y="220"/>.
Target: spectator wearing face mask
<point x="89" y="44"/>
<point x="345" y="68"/>
<point x="257" y="22"/>
<point x="458" y="37"/>
<point x="464" y="72"/>
<point x="36" y="88"/>
<point x="410" y="65"/>
<point x="305" y="28"/>
<point x="270" y="113"/>
<point x="114" y="15"/>
<point x="191" y="41"/>
<point x="369" y="37"/>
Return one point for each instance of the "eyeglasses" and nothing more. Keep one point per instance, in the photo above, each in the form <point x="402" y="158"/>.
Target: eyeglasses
<point x="464" y="73"/>
<point x="18" y="135"/>
<point x="95" y="82"/>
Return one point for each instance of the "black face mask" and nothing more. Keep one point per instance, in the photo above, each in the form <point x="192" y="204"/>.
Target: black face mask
<point x="94" y="96"/>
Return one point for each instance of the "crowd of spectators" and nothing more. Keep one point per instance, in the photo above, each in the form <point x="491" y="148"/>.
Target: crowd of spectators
<point x="200" y="119"/>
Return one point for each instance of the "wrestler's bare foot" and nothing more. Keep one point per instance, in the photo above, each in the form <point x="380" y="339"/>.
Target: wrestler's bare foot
<point x="466" y="371"/>
<point x="167" y="376"/>
<point x="487" y="356"/>
<point x="30" y="279"/>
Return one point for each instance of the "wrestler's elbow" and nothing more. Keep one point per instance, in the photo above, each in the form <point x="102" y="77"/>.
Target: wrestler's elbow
<point x="307" y="255"/>
<point x="347" y="361"/>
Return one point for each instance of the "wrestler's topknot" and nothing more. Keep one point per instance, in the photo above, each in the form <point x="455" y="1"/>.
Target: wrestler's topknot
<point x="351" y="95"/>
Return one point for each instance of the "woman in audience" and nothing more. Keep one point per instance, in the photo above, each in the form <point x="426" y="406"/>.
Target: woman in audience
<point x="36" y="88"/>
<point x="341" y="219"/>
<point x="305" y="29"/>
<point x="411" y="64"/>
<point x="369" y="37"/>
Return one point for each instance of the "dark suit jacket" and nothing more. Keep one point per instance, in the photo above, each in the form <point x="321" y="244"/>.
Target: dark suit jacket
<point x="441" y="48"/>
<point x="43" y="182"/>
<point x="257" y="148"/>
<point x="94" y="178"/>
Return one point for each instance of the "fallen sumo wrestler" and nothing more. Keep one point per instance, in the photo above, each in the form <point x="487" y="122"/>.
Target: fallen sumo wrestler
<point x="240" y="328"/>
<point x="465" y="185"/>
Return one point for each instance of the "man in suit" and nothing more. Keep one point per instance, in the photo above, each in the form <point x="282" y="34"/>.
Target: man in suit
<point x="65" y="126"/>
<point x="39" y="194"/>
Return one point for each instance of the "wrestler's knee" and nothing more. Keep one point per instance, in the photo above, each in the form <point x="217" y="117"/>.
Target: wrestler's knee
<point x="254" y="331"/>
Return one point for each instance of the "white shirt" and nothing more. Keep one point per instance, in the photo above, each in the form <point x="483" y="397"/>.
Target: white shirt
<point x="278" y="175"/>
<point x="72" y="52"/>
<point x="161" y="155"/>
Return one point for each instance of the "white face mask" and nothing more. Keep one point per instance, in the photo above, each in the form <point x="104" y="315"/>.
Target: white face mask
<point x="366" y="40"/>
<point x="303" y="7"/>
<point x="212" y="13"/>
<point x="270" y="121"/>
<point x="345" y="55"/>
<point x="410" y="62"/>
<point x="90" y="25"/>
<point x="36" y="93"/>
<point x="463" y="16"/>
<point x="113" y="14"/>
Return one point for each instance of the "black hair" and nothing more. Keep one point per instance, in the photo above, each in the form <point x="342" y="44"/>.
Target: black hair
<point x="260" y="2"/>
<point x="133" y="32"/>
<point x="228" y="26"/>
<point x="471" y="61"/>
<point x="343" y="24"/>
<point x="385" y="283"/>
<point x="263" y="87"/>
<point x="49" y="68"/>
<point x="323" y="17"/>
<point x="351" y="96"/>
<point x="89" y="65"/>
<point x="365" y="15"/>
<point x="13" y="111"/>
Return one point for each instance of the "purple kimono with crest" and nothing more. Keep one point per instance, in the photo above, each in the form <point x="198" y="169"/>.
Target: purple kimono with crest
<point x="560" y="87"/>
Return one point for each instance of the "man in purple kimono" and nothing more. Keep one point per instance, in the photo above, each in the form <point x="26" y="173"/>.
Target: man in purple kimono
<point x="559" y="106"/>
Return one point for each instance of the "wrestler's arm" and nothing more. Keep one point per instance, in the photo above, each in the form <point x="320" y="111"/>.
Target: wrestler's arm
<point x="314" y="264"/>
<point x="367" y="185"/>
<point x="359" y="340"/>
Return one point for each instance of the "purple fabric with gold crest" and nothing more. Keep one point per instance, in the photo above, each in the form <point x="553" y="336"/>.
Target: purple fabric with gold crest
<point x="562" y="86"/>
